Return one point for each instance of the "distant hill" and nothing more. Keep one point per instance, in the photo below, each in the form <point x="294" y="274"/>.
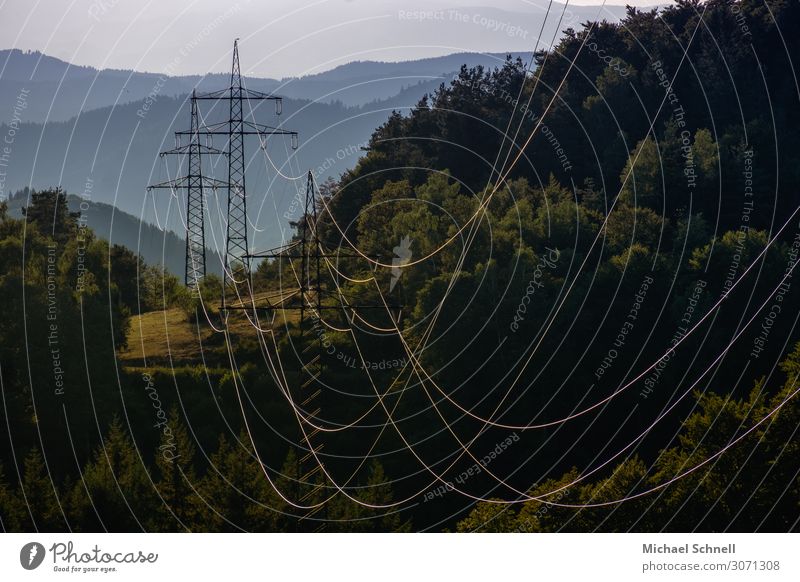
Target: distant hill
<point x="106" y="136"/>
<point x="117" y="148"/>
<point x="293" y="39"/>
<point x="361" y="82"/>
<point x="58" y="91"/>
<point x="156" y="246"/>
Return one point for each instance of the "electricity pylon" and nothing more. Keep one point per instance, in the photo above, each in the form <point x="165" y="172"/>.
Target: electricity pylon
<point x="309" y="250"/>
<point x="195" y="185"/>
<point x="306" y="299"/>
<point x="234" y="131"/>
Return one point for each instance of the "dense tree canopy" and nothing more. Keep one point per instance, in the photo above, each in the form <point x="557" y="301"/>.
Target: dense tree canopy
<point x="621" y="249"/>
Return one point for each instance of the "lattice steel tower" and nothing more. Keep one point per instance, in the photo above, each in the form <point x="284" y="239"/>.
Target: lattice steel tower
<point x="236" y="248"/>
<point x="195" y="185"/>
<point x="235" y="130"/>
<point x="311" y="299"/>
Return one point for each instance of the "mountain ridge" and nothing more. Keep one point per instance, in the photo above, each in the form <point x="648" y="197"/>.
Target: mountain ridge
<point x="58" y="90"/>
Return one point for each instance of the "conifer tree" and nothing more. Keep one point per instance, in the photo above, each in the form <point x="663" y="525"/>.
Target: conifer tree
<point x="41" y="496"/>
<point x="180" y="508"/>
<point x="119" y="493"/>
<point x="237" y="489"/>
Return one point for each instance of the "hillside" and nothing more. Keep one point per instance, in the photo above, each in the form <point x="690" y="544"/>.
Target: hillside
<point x="59" y="91"/>
<point x="169" y="338"/>
<point x="156" y="246"/>
<point x="114" y="132"/>
<point x="591" y="329"/>
<point x="117" y="149"/>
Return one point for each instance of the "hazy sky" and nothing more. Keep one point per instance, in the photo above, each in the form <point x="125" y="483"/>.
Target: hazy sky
<point x="278" y="37"/>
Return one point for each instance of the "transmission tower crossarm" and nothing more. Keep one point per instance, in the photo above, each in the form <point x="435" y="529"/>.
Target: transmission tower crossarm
<point x="185" y="150"/>
<point x="279" y="307"/>
<point x="267" y="129"/>
<point x="285" y="255"/>
<point x="223" y="94"/>
<point x="183" y="182"/>
<point x="205" y="129"/>
<point x="253" y="129"/>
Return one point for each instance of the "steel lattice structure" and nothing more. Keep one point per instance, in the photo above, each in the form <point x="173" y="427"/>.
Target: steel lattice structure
<point x="308" y="250"/>
<point x="195" y="185"/>
<point x="234" y="130"/>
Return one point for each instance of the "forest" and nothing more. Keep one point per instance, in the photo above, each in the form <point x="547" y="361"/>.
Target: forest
<point x="595" y="331"/>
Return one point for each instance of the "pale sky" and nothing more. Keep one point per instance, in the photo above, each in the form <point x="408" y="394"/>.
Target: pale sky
<point x="278" y="37"/>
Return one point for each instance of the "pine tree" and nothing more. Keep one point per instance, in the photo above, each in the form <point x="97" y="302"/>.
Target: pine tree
<point x="180" y="507"/>
<point x="49" y="211"/>
<point x="118" y="493"/>
<point x="12" y="511"/>
<point x="41" y="496"/>
<point x="350" y="516"/>
<point x="237" y="489"/>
